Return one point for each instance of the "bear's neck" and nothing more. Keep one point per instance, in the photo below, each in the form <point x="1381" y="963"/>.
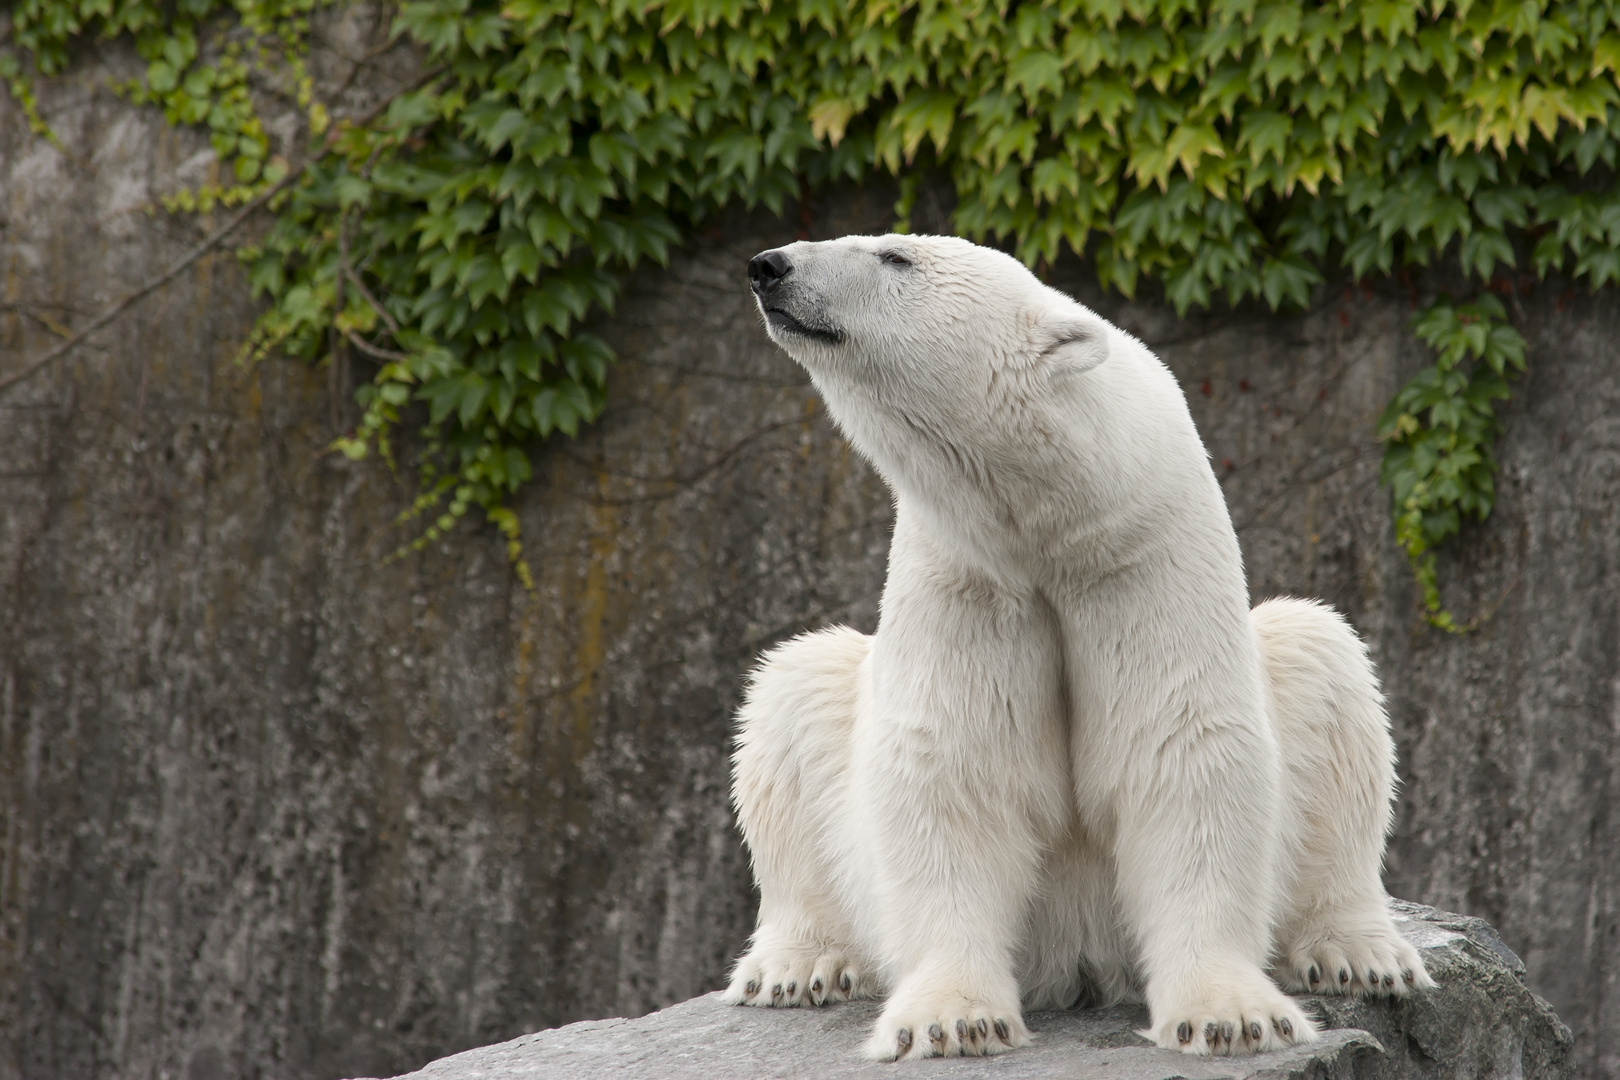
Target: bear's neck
<point x="1017" y="489"/>
<point x="1072" y="484"/>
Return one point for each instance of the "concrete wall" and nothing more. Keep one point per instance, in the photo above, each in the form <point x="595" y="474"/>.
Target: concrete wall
<point x="269" y="808"/>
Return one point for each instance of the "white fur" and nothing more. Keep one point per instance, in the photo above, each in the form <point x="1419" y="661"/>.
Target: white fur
<point x="1071" y="764"/>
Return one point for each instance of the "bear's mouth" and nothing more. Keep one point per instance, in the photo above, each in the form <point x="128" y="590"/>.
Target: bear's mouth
<point x="781" y="320"/>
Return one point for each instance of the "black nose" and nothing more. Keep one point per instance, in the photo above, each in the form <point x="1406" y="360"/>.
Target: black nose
<point x="767" y="268"/>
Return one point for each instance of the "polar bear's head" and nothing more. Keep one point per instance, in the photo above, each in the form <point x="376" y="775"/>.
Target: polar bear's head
<point x="928" y="345"/>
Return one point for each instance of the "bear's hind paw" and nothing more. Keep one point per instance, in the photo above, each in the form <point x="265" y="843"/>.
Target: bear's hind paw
<point x="1374" y="962"/>
<point x="783" y="978"/>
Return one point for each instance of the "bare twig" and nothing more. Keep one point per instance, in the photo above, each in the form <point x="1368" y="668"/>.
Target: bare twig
<point x="25" y="307"/>
<point x="374" y="351"/>
<point x="365" y="294"/>
<point x="213" y="241"/>
<point x="50" y="324"/>
<point x="337" y="366"/>
<point x="347" y="271"/>
<point x="150" y="287"/>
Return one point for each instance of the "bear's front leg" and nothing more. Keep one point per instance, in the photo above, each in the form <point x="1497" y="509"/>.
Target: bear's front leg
<point x="1174" y="747"/>
<point x="952" y="875"/>
<point x="960" y="779"/>
<point x="1196" y="857"/>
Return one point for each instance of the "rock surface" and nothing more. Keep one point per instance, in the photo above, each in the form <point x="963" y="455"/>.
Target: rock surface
<point x="270" y="809"/>
<point x="1481" y="1022"/>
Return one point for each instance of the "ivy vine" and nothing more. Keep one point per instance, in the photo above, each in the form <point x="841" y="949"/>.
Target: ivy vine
<point x="266" y="36"/>
<point x="1226" y="150"/>
<point x="1440" y="430"/>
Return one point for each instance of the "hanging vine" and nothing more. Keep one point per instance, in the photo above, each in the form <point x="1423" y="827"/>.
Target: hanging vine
<point x="1227" y="151"/>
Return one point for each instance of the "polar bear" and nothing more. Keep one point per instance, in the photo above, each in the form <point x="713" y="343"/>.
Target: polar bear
<point x="1071" y="764"/>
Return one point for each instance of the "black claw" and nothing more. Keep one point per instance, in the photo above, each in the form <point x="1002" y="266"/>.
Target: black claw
<point x="961" y="1031"/>
<point x="1184" y="1032"/>
<point x="792" y="988"/>
<point x="1314" y="975"/>
<point x="1344" y="977"/>
<point x="1227" y="1031"/>
<point x="1407" y="976"/>
<point x="815" y="987"/>
<point x="844" y="984"/>
<point x="1287" y="1027"/>
<point x="1255" y="1031"/>
<point x="1372" y="977"/>
<point x="1389" y="981"/>
<point x="936" y="1033"/>
<point x="1002" y="1031"/>
<point x="776" y="991"/>
<point x="752" y="988"/>
<point x="984" y="1028"/>
<point x="904" y="1039"/>
<point x="1209" y="1032"/>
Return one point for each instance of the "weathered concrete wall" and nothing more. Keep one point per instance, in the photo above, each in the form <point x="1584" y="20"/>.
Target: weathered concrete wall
<point x="271" y="809"/>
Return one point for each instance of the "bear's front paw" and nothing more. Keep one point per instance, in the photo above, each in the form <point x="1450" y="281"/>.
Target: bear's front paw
<point x="788" y="976"/>
<point x="919" y="1025"/>
<point x="1223" y="1022"/>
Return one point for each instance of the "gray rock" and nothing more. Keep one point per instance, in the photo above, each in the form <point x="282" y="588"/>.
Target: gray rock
<point x="1481" y="1022"/>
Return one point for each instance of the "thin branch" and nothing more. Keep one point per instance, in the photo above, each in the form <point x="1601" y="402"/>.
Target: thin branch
<point x="49" y="323"/>
<point x="213" y="241"/>
<point x="338" y="365"/>
<point x="374" y="351"/>
<point x="365" y="294"/>
<point x="346" y="270"/>
<point x="28" y="307"/>
<point x="150" y="287"/>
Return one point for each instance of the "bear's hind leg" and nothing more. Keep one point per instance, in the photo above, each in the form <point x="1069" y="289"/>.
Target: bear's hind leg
<point x="789" y="786"/>
<point x="1334" y="933"/>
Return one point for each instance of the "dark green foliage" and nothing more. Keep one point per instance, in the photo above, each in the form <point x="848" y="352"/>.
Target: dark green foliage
<point x="1227" y="150"/>
<point x="1440" y="429"/>
<point x="268" y="35"/>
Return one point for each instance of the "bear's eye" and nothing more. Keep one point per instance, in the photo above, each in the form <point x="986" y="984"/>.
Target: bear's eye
<point x="894" y="258"/>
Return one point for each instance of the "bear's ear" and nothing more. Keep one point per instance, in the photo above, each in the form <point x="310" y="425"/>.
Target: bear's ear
<point x="1072" y="343"/>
